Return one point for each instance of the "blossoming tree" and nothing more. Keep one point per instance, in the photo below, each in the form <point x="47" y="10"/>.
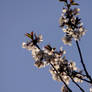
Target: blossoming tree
<point x="61" y="69"/>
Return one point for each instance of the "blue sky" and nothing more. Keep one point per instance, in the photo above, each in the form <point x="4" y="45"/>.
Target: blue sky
<point x="17" y="72"/>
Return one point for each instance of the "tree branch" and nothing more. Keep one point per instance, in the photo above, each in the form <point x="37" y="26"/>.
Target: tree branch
<point x="83" y="79"/>
<point x="82" y="90"/>
<point x="82" y="62"/>
<point x="61" y="78"/>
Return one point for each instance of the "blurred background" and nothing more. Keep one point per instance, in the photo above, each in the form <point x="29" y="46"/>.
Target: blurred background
<point x="17" y="17"/>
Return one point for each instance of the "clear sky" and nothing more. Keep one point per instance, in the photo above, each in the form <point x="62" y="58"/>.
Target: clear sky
<point x="17" y="72"/>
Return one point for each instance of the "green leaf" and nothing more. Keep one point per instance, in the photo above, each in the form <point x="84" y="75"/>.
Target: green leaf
<point x="73" y="3"/>
<point x="29" y="35"/>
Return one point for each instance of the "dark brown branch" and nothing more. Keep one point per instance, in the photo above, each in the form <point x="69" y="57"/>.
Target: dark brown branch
<point x="82" y="90"/>
<point x="83" y="79"/>
<point x="82" y="62"/>
<point x="61" y="78"/>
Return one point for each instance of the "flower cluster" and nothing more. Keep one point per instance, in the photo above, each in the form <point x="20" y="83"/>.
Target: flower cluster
<point x="49" y="56"/>
<point x="71" y="24"/>
<point x="33" y="43"/>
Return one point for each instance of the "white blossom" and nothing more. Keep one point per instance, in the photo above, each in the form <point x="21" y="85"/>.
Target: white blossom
<point x="90" y="89"/>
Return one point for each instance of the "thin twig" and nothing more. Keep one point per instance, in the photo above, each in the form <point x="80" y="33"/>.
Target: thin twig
<point x="77" y="84"/>
<point x="79" y="73"/>
<point x="61" y="78"/>
<point x="82" y="90"/>
<point x="82" y="62"/>
<point x="82" y="79"/>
